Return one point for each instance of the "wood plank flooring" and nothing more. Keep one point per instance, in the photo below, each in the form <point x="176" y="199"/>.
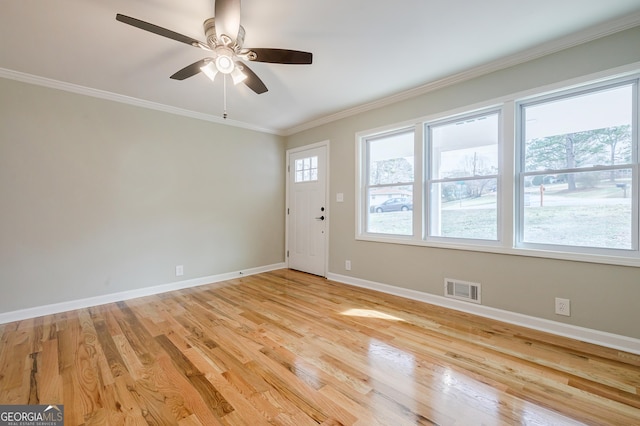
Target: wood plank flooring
<point x="288" y="348"/>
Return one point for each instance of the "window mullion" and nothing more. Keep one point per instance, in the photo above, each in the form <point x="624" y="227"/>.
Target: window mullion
<point x="418" y="181"/>
<point x="507" y="181"/>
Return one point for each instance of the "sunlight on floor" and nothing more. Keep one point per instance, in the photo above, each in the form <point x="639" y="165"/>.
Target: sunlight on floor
<point x="370" y="313"/>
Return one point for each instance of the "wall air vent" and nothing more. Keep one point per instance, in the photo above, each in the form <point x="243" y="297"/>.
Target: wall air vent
<point x="462" y="290"/>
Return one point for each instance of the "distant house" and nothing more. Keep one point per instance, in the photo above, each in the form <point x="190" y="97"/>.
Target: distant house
<point x="378" y="195"/>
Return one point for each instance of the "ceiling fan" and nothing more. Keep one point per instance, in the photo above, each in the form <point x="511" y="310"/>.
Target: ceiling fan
<point x="224" y="41"/>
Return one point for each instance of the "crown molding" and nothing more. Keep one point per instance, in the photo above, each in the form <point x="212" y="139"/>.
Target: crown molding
<point x="575" y="39"/>
<point x="581" y="37"/>
<point x="110" y="96"/>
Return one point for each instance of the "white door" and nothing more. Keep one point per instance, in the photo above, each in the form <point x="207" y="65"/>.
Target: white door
<point x="307" y="210"/>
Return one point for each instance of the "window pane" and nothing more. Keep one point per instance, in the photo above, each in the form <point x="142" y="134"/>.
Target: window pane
<point x="579" y="131"/>
<point x="460" y="149"/>
<point x="464" y="209"/>
<point x="306" y="169"/>
<point x="390" y="210"/>
<point x="391" y="159"/>
<point x="597" y="213"/>
<point x="465" y="148"/>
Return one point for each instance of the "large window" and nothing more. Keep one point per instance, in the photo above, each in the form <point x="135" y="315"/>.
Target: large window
<point x="553" y="175"/>
<point x="463" y="177"/>
<point x="577" y="169"/>
<point x="389" y="183"/>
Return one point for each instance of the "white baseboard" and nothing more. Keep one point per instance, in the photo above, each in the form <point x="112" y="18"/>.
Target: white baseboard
<point x="610" y="340"/>
<point x="71" y="305"/>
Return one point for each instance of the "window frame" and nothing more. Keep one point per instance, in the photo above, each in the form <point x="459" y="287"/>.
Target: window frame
<point x="522" y="174"/>
<point x="429" y="176"/>
<point x="363" y="185"/>
<point x="510" y="183"/>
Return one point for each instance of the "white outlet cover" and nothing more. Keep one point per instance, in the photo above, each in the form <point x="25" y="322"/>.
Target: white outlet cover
<point x="563" y="306"/>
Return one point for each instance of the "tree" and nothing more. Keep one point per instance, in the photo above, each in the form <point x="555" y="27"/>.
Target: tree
<point x="476" y="165"/>
<point x="618" y="140"/>
<point x="394" y="170"/>
<point x="574" y="150"/>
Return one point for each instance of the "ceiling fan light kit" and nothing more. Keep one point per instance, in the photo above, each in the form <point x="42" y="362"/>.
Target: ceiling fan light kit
<point x="225" y="40"/>
<point x="210" y="70"/>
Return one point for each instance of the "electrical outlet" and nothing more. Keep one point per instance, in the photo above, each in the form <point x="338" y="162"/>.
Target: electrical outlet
<point x="179" y="270"/>
<point x="347" y="265"/>
<point x="563" y="307"/>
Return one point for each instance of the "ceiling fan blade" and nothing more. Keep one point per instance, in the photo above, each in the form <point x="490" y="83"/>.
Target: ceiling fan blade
<point x="282" y="56"/>
<point x="160" y="31"/>
<point x="190" y="70"/>
<point x="227" y="16"/>
<point x="252" y="81"/>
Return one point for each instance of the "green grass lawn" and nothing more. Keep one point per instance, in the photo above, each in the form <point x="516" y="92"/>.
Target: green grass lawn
<point x="605" y="225"/>
<point x="588" y="218"/>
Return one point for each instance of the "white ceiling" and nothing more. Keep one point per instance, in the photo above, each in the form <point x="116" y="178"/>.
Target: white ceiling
<point x="364" y="50"/>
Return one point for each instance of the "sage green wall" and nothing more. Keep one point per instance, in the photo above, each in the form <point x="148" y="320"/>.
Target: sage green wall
<point x="603" y="297"/>
<point x="99" y="197"/>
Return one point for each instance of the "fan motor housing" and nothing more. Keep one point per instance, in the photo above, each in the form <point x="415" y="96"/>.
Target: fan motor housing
<point x="212" y="39"/>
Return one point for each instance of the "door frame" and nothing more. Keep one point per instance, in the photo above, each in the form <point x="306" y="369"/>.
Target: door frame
<point x="326" y="145"/>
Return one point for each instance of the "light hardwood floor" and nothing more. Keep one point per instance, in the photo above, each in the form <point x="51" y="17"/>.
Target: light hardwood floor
<point x="293" y="349"/>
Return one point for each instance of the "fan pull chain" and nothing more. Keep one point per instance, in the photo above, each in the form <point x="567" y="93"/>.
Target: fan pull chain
<point x="224" y="95"/>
